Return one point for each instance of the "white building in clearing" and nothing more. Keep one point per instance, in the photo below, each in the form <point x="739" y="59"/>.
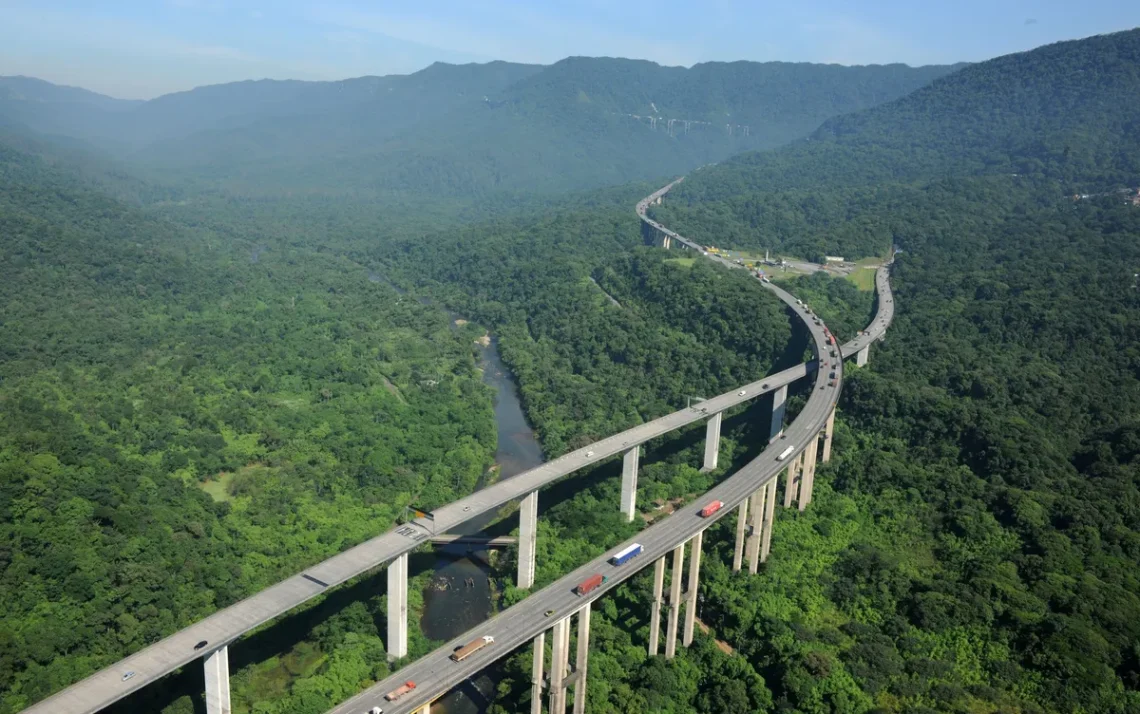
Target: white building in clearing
<point x="833" y="258"/>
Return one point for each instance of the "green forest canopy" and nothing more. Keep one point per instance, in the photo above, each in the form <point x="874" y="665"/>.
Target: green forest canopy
<point x="971" y="546"/>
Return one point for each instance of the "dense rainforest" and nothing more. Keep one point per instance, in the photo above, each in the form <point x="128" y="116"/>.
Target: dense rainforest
<point x="187" y="417"/>
<point x="203" y="391"/>
<point x="188" y="402"/>
<point x="972" y="544"/>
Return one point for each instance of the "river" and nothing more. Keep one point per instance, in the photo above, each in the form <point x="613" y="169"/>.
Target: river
<point x="467" y="601"/>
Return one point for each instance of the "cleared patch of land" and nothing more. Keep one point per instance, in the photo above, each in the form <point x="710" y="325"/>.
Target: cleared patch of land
<point x="864" y="273"/>
<point x="219" y="486"/>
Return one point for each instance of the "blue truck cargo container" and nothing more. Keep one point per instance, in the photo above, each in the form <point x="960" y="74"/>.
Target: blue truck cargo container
<point x="626" y="554"/>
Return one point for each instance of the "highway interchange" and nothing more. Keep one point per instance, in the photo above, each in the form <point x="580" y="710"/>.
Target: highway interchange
<point x="169" y="654"/>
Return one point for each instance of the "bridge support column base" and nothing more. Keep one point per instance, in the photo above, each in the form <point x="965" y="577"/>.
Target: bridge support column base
<point x="528" y="538"/>
<point x="217" y="668"/>
<point x="397" y="643"/>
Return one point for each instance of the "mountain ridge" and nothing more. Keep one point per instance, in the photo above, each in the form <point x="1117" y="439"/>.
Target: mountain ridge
<point x="467" y="129"/>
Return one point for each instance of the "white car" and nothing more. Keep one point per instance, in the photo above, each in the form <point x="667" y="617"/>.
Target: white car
<point x="741" y="393"/>
<point x="589" y="454"/>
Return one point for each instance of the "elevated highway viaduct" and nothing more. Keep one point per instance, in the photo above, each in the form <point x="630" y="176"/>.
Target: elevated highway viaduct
<point x="751" y="492"/>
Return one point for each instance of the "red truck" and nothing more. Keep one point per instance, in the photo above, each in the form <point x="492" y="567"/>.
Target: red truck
<point x="589" y="584"/>
<point x="400" y="691"/>
<point x="711" y="508"/>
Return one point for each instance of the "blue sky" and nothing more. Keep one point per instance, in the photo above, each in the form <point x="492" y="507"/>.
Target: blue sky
<point x="137" y="49"/>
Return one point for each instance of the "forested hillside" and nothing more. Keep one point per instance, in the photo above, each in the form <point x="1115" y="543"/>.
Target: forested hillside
<point x="469" y="130"/>
<point x="186" y="417"/>
<point x="971" y="545"/>
<point x="1060" y="112"/>
<point x="207" y="392"/>
<point x="588" y="367"/>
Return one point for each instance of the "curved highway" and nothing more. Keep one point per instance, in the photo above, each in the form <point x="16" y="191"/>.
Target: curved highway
<point x="169" y="654"/>
<point x="435" y="673"/>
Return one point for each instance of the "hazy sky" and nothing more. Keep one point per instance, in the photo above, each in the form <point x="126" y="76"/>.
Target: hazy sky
<point x="133" y="48"/>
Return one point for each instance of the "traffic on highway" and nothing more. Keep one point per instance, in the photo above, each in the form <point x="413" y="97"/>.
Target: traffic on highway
<point x="518" y="625"/>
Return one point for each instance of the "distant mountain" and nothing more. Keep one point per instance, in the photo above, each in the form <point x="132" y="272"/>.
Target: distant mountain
<point x="777" y="101"/>
<point x="36" y="91"/>
<point x="1064" y="113"/>
<point x="1066" y="110"/>
<point x="470" y="129"/>
<point x="58" y="110"/>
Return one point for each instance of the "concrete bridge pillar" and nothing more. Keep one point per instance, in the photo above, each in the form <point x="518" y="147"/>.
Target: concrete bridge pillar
<point x="712" y="442"/>
<point x="397" y="643"/>
<point x="536" y="673"/>
<point x="808" y="480"/>
<point x="741" y="527"/>
<point x="779" y="401"/>
<point x="559" y="664"/>
<point x="792" y="481"/>
<point x="769" y="520"/>
<point x="583" y="657"/>
<point x="674" y="601"/>
<point x="217" y="666"/>
<point x="629" y="467"/>
<point x="755" y="522"/>
<point x="863" y="355"/>
<point x="528" y="538"/>
<point x="694" y="587"/>
<point x="655" y="612"/>
<point x="829" y="431"/>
